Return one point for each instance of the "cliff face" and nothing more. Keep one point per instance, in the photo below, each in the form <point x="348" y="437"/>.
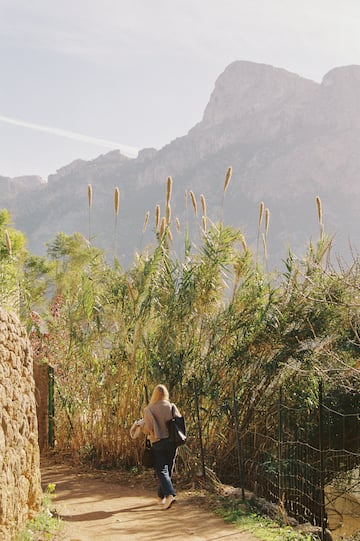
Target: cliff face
<point x="287" y="138"/>
<point x="246" y="89"/>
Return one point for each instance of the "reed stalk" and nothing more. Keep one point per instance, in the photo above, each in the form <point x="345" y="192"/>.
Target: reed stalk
<point x="264" y="245"/>
<point x="320" y="216"/>
<point x="319" y="209"/>
<point x="146" y="221"/>
<point x="168" y="190"/>
<point x="116" y="210"/>
<point x="203" y="204"/>
<point x="226" y="185"/>
<point x="261" y="213"/>
<point x="157" y="217"/>
<point x="162" y="226"/>
<point x="90" y="197"/>
<point x="168" y="213"/>
<point x="267" y="221"/>
<point x="193" y="201"/>
<point x="243" y="243"/>
<point x="227" y="178"/>
<point x="116" y="201"/>
<point x="203" y="221"/>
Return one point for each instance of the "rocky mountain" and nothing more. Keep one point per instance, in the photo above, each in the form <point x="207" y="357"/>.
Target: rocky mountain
<point x="288" y="139"/>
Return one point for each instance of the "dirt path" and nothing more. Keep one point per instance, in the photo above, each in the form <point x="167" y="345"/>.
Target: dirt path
<point x="100" y="506"/>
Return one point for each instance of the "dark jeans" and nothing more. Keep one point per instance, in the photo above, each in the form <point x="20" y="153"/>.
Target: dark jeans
<point x="165" y="453"/>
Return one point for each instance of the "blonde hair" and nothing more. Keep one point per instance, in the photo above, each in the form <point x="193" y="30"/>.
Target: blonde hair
<point x="159" y="393"/>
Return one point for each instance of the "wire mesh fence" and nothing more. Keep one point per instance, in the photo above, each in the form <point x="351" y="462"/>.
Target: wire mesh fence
<point x="301" y="454"/>
<point x="296" y="446"/>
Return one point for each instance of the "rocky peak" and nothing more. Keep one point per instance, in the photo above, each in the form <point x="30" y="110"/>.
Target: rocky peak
<point x="28" y="181"/>
<point x="341" y="86"/>
<point x="146" y="154"/>
<point x="12" y="186"/>
<point x="343" y="77"/>
<point x="336" y="102"/>
<point x="66" y="170"/>
<point x="112" y="157"/>
<point x="248" y="86"/>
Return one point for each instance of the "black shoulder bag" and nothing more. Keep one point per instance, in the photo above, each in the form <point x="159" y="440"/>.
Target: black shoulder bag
<point x="148" y="459"/>
<point x="177" y="429"/>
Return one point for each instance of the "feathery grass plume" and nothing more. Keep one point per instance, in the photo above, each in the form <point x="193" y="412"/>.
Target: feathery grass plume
<point x="157" y="216"/>
<point x="261" y="212"/>
<point x="90" y="194"/>
<point x="168" y="213"/>
<point x="170" y="235"/>
<point x="146" y="220"/>
<point x="186" y="219"/>
<point x="116" y="200"/>
<point x="162" y="226"/>
<point x="243" y="242"/>
<point x="203" y="222"/>
<point x="177" y="221"/>
<point x="203" y="204"/>
<point x="8" y="241"/>
<point x="319" y="209"/>
<point x="116" y="209"/>
<point x="227" y="178"/>
<point x="226" y="184"/>
<point x="320" y="216"/>
<point x="168" y="190"/>
<point x="267" y="220"/>
<point x="261" y="215"/>
<point x="264" y="245"/>
<point x="193" y="200"/>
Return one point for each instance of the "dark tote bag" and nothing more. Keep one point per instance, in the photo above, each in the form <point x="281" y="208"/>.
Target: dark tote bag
<point x="177" y="429"/>
<point x="148" y="459"/>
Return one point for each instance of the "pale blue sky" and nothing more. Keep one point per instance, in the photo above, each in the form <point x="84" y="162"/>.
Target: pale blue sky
<point x="139" y="73"/>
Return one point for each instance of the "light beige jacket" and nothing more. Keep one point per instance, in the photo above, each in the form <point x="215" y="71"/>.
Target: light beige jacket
<point x="156" y="417"/>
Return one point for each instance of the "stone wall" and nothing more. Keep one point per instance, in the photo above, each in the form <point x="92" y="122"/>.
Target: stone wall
<point x="20" y="482"/>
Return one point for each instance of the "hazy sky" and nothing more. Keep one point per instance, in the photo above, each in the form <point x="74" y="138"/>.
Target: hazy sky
<point x="81" y="77"/>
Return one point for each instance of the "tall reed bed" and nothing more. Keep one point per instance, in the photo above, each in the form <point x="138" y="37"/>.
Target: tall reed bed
<point x="199" y="325"/>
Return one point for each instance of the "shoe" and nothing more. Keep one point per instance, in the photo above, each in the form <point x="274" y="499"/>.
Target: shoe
<point x="161" y="501"/>
<point x="169" y="500"/>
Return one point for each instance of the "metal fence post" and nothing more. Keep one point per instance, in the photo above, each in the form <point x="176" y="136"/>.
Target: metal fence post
<point x="280" y="441"/>
<point x="51" y="406"/>
<point x="238" y="445"/>
<point x="323" y="517"/>
<point x="199" y="429"/>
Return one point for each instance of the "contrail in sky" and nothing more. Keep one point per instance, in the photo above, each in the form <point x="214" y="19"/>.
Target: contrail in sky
<point x="129" y="151"/>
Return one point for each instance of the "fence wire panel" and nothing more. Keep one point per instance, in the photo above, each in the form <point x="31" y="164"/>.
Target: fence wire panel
<point x="300" y="452"/>
<point x="342" y="466"/>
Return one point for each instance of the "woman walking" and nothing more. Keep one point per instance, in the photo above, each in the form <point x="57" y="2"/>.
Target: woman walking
<point x="156" y="416"/>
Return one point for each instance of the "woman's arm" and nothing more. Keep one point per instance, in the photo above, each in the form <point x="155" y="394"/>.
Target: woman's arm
<point x="147" y="427"/>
